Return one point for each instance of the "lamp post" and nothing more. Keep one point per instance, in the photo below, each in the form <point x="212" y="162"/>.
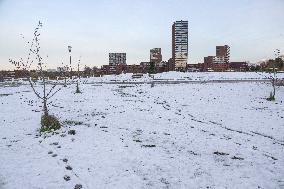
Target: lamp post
<point x="69" y="49"/>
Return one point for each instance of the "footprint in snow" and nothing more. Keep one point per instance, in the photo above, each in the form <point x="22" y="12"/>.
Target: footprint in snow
<point x="67" y="178"/>
<point x="68" y="167"/>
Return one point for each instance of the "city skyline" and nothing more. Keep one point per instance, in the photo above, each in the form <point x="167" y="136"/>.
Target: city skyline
<point x="253" y="29"/>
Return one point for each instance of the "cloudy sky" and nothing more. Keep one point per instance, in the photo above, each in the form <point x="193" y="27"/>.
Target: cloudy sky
<point x="253" y="28"/>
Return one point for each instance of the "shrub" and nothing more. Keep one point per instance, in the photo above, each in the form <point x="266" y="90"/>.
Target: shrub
<point x="49" y="122"/>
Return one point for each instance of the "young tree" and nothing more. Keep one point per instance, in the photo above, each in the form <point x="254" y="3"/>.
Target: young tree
<point x="63" y="72"/>
<point x="274" y="77"/>
<point x="78" y="77"/>
<point x="273" y="74"/>
<point x="48" y="122"/>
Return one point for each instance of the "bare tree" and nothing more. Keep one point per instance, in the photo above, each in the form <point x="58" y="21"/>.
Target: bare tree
<point x="47" y="93"/>
<point x="274" y="77"/>
<point x="63" y="72"/>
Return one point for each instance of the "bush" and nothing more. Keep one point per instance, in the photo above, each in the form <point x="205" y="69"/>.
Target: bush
<point x="49" y="122"/>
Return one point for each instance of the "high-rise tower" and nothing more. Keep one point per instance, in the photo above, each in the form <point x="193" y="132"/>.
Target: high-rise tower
<point x="180" y="44"/>
<point x="223" y="51"/>
<point x="117" y="58"/>
<point x="156" y="55"/>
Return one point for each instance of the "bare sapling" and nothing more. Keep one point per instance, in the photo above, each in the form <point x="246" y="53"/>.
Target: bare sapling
<point x="78" y="77"/>
<point x="273" y="78"/>
<point x="64" y="72"/>
<point x="46" y="90"/>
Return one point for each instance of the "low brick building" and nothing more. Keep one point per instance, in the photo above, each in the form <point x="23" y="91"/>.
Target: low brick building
<point x="239" y="66"/>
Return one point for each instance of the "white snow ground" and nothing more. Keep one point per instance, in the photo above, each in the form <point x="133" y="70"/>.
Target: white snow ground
<point x="203" y="135"/>
<point x="186" y="76"/>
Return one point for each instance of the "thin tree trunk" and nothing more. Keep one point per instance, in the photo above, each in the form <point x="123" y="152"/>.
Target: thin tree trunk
<point x="273" y="80"/>
<point x="65" y="81"/>
<point x="273" y="84"/>
<point x="45" y="110"/>
<point x="45" y="107"/>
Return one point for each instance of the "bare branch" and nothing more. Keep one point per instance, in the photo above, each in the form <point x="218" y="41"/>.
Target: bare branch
<point x="54" y="93"/>
<point x="36" y="93"/>
<point x="52" y="88"/>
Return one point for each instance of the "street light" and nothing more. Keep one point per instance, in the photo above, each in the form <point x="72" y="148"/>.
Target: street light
<point x="69" y="49"/>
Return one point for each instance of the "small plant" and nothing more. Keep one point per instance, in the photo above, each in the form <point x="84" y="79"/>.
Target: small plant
<point x="49" y="122"/>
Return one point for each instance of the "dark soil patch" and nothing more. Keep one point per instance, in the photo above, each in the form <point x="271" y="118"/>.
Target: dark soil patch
<point x="220" y="153"/>
<point x="149" y="145"/>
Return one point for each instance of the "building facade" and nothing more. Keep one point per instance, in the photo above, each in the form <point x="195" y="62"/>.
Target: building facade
<point x="180" y="44"/>
<point x="223" y="51"/>
<point x="170" y="65"/>
<point x="156" y="55"/>
<point x="239" y="66"/>
<point x="117" y="58"/>
<point x="208" y="62"/>
<point x="220" y="62"/>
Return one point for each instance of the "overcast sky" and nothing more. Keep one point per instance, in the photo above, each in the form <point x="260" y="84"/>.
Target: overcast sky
<point x="252" y="28"/>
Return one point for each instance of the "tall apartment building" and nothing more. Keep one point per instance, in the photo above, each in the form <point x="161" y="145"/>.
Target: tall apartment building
<point x="156" y="55"/>
<point x="180" y="44"/>
<point x="223" y="52"/>
<point x="117" y="58"/>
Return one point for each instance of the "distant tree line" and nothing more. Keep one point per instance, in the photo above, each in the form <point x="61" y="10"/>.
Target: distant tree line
<point x="269" y="65"/>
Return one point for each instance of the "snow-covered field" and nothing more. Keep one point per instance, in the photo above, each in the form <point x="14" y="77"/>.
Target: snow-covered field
<point x="187" y="76"/>
<point x="197" y="135"/>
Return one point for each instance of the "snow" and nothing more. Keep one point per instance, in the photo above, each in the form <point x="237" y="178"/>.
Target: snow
<point x="137" y="136"/>
<point x="187" y="76"/>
